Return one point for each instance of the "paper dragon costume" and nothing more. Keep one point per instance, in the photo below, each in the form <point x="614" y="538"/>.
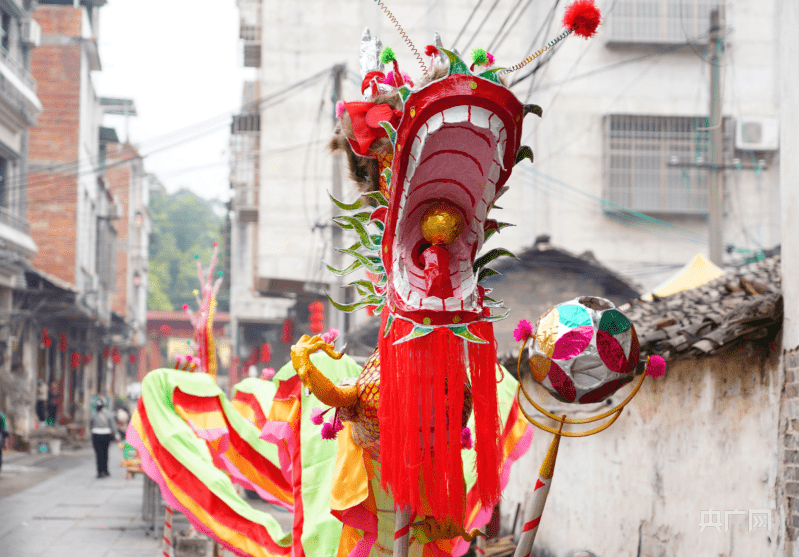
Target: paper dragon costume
<point x="428" y="428"/>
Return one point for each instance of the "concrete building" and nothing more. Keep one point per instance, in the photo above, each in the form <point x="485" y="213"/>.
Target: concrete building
<point x="621" y="153"/>
<point x="81" y="305"/>
<point x="19" y="109"/>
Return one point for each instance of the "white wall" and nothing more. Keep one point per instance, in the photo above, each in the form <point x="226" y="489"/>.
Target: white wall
<point x="703" y="438"/>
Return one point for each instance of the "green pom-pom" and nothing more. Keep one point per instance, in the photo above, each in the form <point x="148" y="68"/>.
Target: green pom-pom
<point x="196" y="256"/>
<point x="387" y="55"/>
<point x="220" y="274"/>
<point x="479" y="56"/>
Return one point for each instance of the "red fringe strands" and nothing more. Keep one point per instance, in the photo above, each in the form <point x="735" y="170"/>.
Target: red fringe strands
<point x="483" y="366"/>
<point x="422" y="384"/>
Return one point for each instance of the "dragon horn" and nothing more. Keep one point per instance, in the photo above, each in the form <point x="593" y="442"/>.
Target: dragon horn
<point x="370" y="53"/>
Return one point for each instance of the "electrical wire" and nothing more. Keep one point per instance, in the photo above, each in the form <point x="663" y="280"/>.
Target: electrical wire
<point x="157" y="144"/>
<point x="504" y="23"/>
<point x="465" y="25"/>
<point x="512" y="26"/>
<point x="480" y="27"/>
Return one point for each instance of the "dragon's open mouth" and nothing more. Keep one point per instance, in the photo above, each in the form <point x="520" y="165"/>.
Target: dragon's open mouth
<point x="457" y="156"/>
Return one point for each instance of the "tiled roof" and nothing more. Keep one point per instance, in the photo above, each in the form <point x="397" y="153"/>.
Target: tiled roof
<point x="742" y="305"/>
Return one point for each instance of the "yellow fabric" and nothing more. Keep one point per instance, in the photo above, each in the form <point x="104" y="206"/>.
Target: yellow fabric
<point x="540" y="366"/>
<point x="349" y="538"/>
<point x="350" y="478"/>
<point x="202" y="420"/>
<point x="547" y="332"/>
<point x="244" y="409"/>
<point x="698" y="272"/>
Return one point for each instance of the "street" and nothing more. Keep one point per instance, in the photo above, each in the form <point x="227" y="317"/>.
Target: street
<point x="55" y="506"/>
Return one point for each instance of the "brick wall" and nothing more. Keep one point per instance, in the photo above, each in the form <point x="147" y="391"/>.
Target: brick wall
<point x="59" y="20"/>
<point x="53" y="144"/>
<point x="790" y="445"/>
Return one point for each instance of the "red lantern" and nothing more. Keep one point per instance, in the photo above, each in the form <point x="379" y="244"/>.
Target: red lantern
<point x="46" y="341"/>
<point x="105" y="353"/>
<point x="74" y="361"/>
<point x="317" y="310"/>
<point x="62" y="343"/>
<point x="165" y="330"/>
<point x="288" y="331"/>
<point x="132" y="358"/>
<point x="266" y="353"/>
<point x="116" y="356"/>
<point x="87" y="358"/>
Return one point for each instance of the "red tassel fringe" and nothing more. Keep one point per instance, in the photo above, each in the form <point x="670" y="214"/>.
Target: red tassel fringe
<point x="422" y="385"/>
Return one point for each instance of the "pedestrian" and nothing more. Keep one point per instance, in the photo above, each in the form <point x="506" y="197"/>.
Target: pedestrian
<point x="52" y="402"/>
<point x="103" y="429"/>
<point x="3" y="434"/>
<point x="41" y="402"/>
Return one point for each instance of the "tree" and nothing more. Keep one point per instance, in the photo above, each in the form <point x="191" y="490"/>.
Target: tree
<point x="184" y="226"/>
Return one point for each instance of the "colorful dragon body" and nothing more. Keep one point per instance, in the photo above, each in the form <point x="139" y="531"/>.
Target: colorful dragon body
<point x="407" y="477"/>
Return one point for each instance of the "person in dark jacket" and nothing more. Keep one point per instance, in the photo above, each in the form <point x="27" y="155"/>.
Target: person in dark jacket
<point x="103" y="429"/>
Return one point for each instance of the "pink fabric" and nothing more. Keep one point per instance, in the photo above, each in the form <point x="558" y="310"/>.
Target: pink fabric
<point x="611" y="352"/>
<point x="358" y="517"/>
<point x="282" y="436"/>
<point x="573" y="343"/>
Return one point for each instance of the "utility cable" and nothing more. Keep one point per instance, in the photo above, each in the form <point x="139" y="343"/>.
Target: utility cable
<point x="465" y="25"/>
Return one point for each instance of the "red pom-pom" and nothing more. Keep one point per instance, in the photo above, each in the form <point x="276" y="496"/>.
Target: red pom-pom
<point x="430" y="50"/>
<point x="656" y="367"/>
<point x="582" y="17"/>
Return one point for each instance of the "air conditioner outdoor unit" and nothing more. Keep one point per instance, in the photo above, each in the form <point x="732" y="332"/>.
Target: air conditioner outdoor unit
<point x="31" y="33"/>
<point x="757" y="134"/>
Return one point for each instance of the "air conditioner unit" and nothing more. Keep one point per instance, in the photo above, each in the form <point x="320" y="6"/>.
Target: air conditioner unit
<point x="31" y="33"/>
<point x="757" y="134"/>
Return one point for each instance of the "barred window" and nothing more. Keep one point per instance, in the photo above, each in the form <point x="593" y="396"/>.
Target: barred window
<point x="637" y="152"/>
<point x="660" y="21"/>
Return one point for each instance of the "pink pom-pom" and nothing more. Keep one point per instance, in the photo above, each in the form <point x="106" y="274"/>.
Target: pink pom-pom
<point x="317" y="416"/>
<point x="523" y="330"/>
<point x="185" y="307"/>
<point x="328" y="431"/>
<point x="490" y="58"/>
<point x="389" y="80"/>
<point x="337" y="426"/>
<point x="430" y="50"/>
<point x="339" y="109"/>
<point x="331" y="335"/>
<point x="582" y="17"/>
<point x="268" y="373"/>
<point x="189" y="358"/>
<point x="466" y="438"/>
<point x="656" y="367"/>
<point x="407" y="79"/>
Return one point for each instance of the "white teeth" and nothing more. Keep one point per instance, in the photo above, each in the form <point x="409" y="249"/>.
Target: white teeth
<point x="493" y="174"/>
<point x="496" y="126"/>
<point x="434" y="123"/>
<point x="414" y="300"/>
<point x="480" y="117"/>
<point x="501" y="154"/>
<point x="456" y="114"/>
<point x="432" y="302"/>
<point x="453" y="304"/>
<point x="416" y="146"/>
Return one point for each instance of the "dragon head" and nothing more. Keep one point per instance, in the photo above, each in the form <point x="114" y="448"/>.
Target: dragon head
<point x="435" y="160"/>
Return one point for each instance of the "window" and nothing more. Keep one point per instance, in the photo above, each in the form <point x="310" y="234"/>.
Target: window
<point x="4" y="193"/>
<point x="637" y="153"/>
<point x="5" y="20"/>
<point x="660" y="21"/>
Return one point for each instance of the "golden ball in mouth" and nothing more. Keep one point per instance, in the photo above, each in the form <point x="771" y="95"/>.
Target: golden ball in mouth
<point x="442" y="223"/>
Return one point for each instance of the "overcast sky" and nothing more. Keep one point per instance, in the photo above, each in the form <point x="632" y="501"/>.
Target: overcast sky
<point x="179" y="61"/>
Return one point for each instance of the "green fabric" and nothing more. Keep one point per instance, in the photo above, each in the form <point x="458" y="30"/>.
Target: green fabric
<point x="506" y="394"/>
<point x="178" y="438"/>
<point x="321" y="530"/>
<point x="263" y="391"/>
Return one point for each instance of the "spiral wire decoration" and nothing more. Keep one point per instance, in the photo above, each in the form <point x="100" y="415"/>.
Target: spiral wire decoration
<point x="535" y="55"/>
<point x="403" y="34"/>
